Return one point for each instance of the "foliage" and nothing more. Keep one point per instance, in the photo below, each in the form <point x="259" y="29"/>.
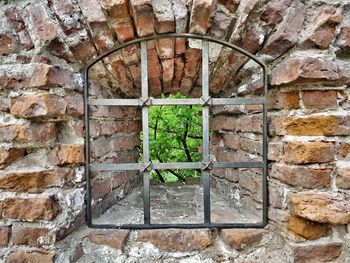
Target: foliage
<point x="175" y="136"/>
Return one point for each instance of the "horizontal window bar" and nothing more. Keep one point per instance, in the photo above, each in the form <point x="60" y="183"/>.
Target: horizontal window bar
<point x="237" y="101"/>
<point x="151" y="101"/>
<point x="163" y="166"/>
<point x="238" y="165"/>
<point x="160" y="226"/>
<point x="115" y="102"/>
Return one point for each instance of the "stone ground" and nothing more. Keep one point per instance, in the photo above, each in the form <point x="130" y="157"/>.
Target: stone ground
<point x="176" y="204"/>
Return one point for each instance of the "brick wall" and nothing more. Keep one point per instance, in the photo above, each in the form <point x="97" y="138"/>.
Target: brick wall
<point x="44" y="46"/>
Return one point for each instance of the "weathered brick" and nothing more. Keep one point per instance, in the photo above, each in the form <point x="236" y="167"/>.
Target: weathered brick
<point x="240" y="239"/>
<point x="30" y="256"/>
<point x="222" y="123"/>
<point x="322" y="32"/>
<point x="200" y="15"/>
<point x="168" y="73"/>
<point x="68" y="154"/>
<point x="32" y="182"/>
<point x="306" y="228"/>
<point x="36" y="75"/>
<point x="116" y="8"/>
<point x="67" y="15"/>
<point x="34" y="132"/>
<point x="164" y="16"/>
<point x="343" y="40"/>
<point x="317" y="253"/>
<point x="7" y="44"/>
<point x="143" y="17"/>
<point x="124" y="30"/>
<point x="343" y="179"/>
<point x="31" y="236"/>
<point x="14" y="17"/>
<point x="320" y="100"/>
<point x="303" y="177"/>
<point x="220" y="24"/>
<point x="343" y="151"/>
<point x="38" y="105"/>
<point x="320" y="207"/>
<point x="8" y="156"/>
<point x="283" y="100"/>
<point x="154" y="69"/>
<point x="41" y="25"/>
<point x="192" y="56"/>
<point x="274" y="11"/>
<point x="309" y="70"/>
<point x="309" y="152"/>
<point x="328" y="125"/>
<point x="251" y="123"/>
<point x="287" y="31"/>
<point x="4" y="235"/>
<point x="177" y="239"/>
<point x="115" y="239"/>
<point x="31" y="210"/>
<point x="166" y="48"/>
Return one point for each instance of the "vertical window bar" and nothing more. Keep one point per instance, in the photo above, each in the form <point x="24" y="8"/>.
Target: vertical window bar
<point x="146" y="157"/>
<point x="205" y="116"/>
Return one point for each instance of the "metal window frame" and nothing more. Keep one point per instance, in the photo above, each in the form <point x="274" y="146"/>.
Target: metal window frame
<point x="146" y="166"/>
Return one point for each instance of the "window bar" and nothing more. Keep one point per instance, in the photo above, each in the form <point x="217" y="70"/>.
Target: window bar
<point x="205" y="116"/>
<point x="146" y="157"/>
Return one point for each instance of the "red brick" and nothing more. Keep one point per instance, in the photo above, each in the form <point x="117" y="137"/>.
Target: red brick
<point x="329" y="125"/>
<point x="116" y="9"/>
<point x="67" y="15"/>
<point x="30" y="210"/>
<point x="320" y="100"/>
<point x="343" y="40"/>
<point x="251" y="123"/>
<point x="192" y="56"/>
<point x="320" y="207"/>
<point x="32" y="182"/>
<point x="164" y="16"/>
<point x="287" y="32"/>
<point x="7" y="44"/>
<point x="309" y="152"/>
<point x="8" y="156"/>
<point x="303" y="177"/>
<point x="220" y="24"/>
<point x="4" y="235"/>
<point x="317" y="253"/>
<point x="283" y="100"/>
<point x="322" y="32"/>
<point x="231" y="5"/>
<point x="34" y="132"/>
<point x="165" y="48"/>
<point x="222" y="123"/>
<point x="30" y="256"/>
<point x="43" y="28"/>
<point x="155" y="86"/>
<point x="274" y="11"/>
<point x="168" y="73"/>
<point x="240" y="239"/>
<point x="309" y="70"/>
<point x="115" y="239"/>
<point x="38" y="105"/>
<point x="124" y="30"/>
<point x="75" y="106"/>
<point x="343" y="151"/>
<point x="306" y="228"/>
<point x="154" y="69"/>
<point x="343" y="179"/>
<point x="31" y="236"/>
<point x="180" y="46"/>
<point x="68" y="154"/>
<point x="175" y="240"/>
<point x="143" y="17"/>
<point x="101" y="188"/>
<point x="15" y="19"/>
<point x="200" y="15"/>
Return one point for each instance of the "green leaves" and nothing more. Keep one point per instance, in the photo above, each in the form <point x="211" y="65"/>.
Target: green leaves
<point x="175" y="136"/>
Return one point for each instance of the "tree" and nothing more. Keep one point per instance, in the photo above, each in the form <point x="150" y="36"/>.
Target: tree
<point x="175" y="136"/>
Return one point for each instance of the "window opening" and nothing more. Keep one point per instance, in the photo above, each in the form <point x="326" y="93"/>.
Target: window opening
<point x="201" y="163"/>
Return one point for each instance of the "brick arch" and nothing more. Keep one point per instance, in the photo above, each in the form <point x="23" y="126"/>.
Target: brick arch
<point x="43" y="49"/>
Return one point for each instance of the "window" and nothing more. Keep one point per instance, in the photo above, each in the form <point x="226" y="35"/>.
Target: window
<point x="204" y="165"/>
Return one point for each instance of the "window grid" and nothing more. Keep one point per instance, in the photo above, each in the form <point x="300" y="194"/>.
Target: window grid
<point x="206" y="165"/>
